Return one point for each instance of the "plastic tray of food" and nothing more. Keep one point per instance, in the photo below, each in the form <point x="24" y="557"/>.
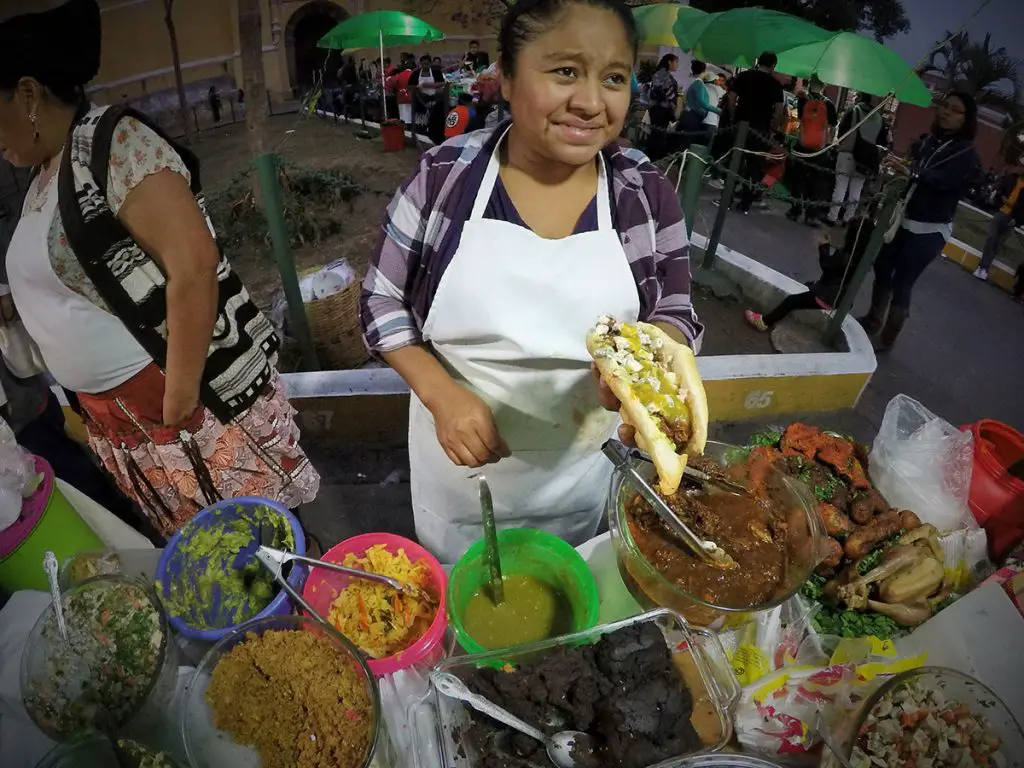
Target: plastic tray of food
<point x="443" y="727"/>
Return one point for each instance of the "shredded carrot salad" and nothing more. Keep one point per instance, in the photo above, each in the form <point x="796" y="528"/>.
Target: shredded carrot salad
<point x="380" y="620"/>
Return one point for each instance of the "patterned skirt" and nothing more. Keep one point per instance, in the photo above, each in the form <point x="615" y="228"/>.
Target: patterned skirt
<point x="173" y="472"/>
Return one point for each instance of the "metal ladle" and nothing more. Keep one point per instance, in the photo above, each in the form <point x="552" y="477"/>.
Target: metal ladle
<point x="566" y="749"/>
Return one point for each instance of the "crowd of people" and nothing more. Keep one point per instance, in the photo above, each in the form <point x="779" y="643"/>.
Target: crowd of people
<point x="415" y="90"/>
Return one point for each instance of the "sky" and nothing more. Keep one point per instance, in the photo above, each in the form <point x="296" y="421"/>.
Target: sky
<point x="930" y="19"/>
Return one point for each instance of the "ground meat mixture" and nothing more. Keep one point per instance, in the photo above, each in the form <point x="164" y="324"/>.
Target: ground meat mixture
<point x="624" y="691"/>
<point x="754" y="532"/>
<point x="295" y="698"/>
<point x="678" y="433"/>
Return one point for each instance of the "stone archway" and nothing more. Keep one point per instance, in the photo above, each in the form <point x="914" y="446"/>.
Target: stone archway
<point x="305" y="27"/>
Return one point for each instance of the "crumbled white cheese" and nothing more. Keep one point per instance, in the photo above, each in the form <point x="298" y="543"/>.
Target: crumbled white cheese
<point x="621" y="343"/>
<point x="604" y="320"/>
<point x="632" y="365"/>
<point x="601" y="329"/>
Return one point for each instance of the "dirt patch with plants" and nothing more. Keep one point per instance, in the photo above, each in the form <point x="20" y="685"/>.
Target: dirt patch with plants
<point x="335" y="189"/>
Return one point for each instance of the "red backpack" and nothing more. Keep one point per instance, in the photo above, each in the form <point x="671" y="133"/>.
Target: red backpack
<point x="814" y="125"/>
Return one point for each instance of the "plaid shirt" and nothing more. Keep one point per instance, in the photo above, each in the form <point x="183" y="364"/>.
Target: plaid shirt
<point x="424" y="222"/>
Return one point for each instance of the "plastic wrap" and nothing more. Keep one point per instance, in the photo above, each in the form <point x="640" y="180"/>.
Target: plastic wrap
<point x="923" y="463"/>
<point x="18" y="476"/>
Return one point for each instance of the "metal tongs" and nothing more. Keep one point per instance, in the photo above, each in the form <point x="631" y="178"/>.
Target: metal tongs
<point x="275" y="560"/>
<point x="622" y="457"/>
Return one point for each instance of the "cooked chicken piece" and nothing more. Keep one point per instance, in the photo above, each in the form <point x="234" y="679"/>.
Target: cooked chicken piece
<point x="832" y="555"/>
<point x="836" y="523"/>
<point x="904" y="614"/>
<point x="866" y="538"/>
<point x="866" y="505"/>
<point x="909" y="520"/>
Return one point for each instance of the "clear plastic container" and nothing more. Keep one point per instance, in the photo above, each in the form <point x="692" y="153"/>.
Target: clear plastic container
<point x="53" y="674"/>
<point x="955" y="686"/>
<point x="697" y="654"/>
<point x="208" y="747"/>
<point x="133" y="563"/>
<point x="651" y="589"/>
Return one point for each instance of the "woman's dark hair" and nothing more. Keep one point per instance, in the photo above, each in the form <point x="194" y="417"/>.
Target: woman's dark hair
<point x="970" y="127"/>
<point x="529" y="19"/>
<point x="60" y="48"/>
<point x="697" y="67"/>
<point x="667" y="59"/>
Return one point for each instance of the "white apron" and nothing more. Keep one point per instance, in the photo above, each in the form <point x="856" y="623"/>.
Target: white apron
<point x="509" y="320"/>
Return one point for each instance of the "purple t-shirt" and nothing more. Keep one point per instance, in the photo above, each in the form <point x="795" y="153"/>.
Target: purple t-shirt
<point x="501" y="207"/>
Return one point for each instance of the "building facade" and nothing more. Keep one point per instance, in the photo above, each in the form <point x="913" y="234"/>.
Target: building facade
<point x="137" y="65"/>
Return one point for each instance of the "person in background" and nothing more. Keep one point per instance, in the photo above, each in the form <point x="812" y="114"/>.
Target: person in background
<point x="941" y="170"/>
<point x="759" y="101"/>
<point x="397" y="86"/>
<point x="437" y="62"/>
<point x="429" y="99"/>
<point x="213" y="99"/>
<point x="496" y="257"/>
<point x="241" y="103"/>
<point x="697" y="107"/>
<point x="460" y="118"/>
<point x="715" y="84"/>
<point x="126" y="294"/>
<point x="840" y="251"/>
<point x="663" y="98"/>
<point x="1009" y="217"/>
<point x="818" y="119"/>
<point x="858" y="157"/>
<point x="476" y="59"/>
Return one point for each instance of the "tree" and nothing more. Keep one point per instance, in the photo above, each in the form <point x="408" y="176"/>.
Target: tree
<point x="250" y="34"/>
<point x="179" y="80"/>
<point x="883" y="18"/>
<point x="992" y="76"/>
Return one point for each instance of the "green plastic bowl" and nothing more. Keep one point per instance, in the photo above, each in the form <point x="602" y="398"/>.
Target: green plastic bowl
<point x="531" y="552"/>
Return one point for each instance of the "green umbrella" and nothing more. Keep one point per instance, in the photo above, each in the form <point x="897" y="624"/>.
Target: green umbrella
<point x="860" y="63"/>
<point x="380" y="28"/>
<point x="655" y="22"/>
<point x="740" y="35"/>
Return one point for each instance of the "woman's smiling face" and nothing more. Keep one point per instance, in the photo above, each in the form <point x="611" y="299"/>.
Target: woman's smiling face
<point x="569" y="93"/>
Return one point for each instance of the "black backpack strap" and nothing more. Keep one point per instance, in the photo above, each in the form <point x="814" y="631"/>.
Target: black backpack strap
<point x="89" y="240"/>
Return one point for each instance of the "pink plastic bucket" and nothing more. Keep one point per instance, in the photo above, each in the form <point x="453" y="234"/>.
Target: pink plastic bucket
<point x="322" y="586"/>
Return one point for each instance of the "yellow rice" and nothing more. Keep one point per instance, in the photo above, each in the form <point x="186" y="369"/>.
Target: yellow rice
<point x="379" y="619"/>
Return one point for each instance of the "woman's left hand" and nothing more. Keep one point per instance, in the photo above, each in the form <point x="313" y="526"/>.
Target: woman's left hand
<point x="179" y="405"/>
<point x="610" y="402"/>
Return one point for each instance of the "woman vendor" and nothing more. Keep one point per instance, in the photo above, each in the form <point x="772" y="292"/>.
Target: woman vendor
<point x="118" y="279"/>
<point x="499" y="254"/>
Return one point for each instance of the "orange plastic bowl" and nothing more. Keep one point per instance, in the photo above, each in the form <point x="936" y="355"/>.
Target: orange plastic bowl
<point x="322" y="586"/>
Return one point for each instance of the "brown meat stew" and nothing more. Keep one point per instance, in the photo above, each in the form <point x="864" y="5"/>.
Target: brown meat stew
<point x="753" y="530"/>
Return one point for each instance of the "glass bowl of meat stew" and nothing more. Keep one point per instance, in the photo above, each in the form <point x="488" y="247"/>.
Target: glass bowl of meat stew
<point x="773" y="536"/>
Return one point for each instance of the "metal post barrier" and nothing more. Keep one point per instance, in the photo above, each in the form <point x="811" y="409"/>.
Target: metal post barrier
<point x="273" y="210"/>
<point x="742" y="129"/>
<point x="833" y="328"/>
<point x="696" y="159"/>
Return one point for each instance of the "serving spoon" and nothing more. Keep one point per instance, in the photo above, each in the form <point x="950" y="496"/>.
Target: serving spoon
<point x="566" y="749"/>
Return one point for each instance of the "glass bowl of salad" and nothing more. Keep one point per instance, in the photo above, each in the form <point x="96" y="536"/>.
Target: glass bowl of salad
<point x="932" y="717"/>
<point x="117" y="671"/>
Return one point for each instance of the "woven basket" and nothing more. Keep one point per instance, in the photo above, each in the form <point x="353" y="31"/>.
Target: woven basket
<point x="337" y="333"/>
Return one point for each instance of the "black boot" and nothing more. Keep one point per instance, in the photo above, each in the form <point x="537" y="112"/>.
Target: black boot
<point x="893" y="325"/>
<point x="873" y="321"/>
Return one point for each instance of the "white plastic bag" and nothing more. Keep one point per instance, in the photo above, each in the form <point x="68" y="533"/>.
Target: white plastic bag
<point x="18" y="476"/>
<point x="923" y="463"/>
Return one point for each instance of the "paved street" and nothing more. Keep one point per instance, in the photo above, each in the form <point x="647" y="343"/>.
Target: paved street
<point x="961" y="353"/>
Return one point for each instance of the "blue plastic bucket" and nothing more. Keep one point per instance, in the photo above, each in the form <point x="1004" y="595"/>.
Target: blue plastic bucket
<point x="182" y="574"/>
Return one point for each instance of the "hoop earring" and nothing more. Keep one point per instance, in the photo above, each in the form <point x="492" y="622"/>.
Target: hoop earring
<point x="35" y="128"/>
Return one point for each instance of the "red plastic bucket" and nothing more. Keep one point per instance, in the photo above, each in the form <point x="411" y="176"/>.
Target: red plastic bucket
<point x="997" y="497"/>
<point x="393" y="134"/>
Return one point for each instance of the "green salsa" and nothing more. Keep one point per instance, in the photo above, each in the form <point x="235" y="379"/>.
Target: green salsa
<point x="533" y="610"/>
